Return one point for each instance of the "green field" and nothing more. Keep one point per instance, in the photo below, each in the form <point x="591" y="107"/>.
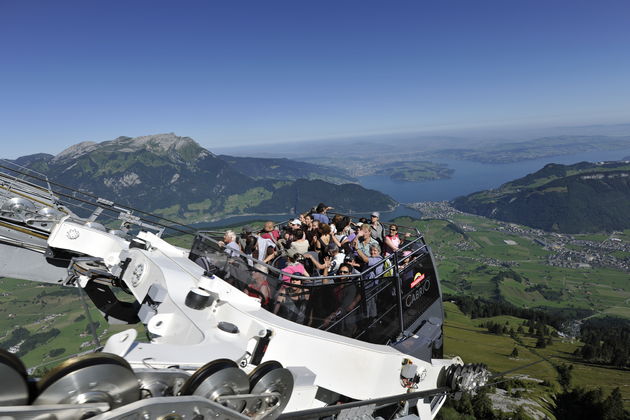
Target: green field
<point x="471" y="250"/>
<point x="39" y="308"/>
<point x="463" y="337"/>
<point x="471" y="254"/>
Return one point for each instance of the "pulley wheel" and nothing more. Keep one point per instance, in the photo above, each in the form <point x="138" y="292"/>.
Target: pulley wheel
<point x="267" y="378"/>
<point x="94" y="377"/>
<point x="14" y="388"/>
<point x="261" y="370"/>
<point x="216" y="379"/>
<point x="455" y="377"/>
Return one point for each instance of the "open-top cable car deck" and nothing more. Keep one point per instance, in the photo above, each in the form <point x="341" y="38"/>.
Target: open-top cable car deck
<point x="399" y="298"/>
<point x="214" y="350"/>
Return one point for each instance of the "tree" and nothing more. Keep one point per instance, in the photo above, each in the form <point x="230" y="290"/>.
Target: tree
<point x="579" y="404"/>
<point x="482" y="405"/>
<point x="519" y="414"/>
<point x="457" y="409"/>
<point x="613" y="406"/>
<point x="514" y="352"/>
<point x="565" y="375"/>
<point x="464" y="405"/>
<point x="56" y="352"/>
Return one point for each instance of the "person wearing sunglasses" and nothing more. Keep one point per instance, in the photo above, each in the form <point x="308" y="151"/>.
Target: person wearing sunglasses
<point x="392" y="240"/>
<point x="291" y="300"/>
<point x="348" y="297"/>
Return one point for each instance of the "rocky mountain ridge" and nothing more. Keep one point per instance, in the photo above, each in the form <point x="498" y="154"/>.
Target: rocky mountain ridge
<point x="177" y="178"/>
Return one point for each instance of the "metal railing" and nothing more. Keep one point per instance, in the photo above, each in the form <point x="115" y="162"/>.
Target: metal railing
<point x="16" y="180"/>
<point x="379" y="286"/>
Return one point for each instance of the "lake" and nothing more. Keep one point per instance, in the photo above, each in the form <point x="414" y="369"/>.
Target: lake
<point x="471" y="177"/>
<point x="386" y="216"/>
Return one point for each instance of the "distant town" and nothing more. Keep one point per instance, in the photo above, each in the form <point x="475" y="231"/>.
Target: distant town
<point x="566" y="250"/>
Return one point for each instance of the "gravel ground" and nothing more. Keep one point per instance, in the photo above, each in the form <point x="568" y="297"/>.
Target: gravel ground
<point x="503" y="402"/>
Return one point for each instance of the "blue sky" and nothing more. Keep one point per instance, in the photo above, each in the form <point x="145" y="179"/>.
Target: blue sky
<point x="245" y="72"/>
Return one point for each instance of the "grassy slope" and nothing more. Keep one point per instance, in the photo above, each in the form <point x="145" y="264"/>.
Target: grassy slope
<point x="20" y="302"/>
<point x="467" y="264"/>
<point x="464" y="338"/>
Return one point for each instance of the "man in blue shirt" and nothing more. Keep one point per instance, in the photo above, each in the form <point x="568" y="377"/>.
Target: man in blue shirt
<point x="320" y="213"/>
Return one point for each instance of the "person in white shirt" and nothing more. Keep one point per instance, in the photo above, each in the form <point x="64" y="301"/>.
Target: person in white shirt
<point x="230" y="244"/>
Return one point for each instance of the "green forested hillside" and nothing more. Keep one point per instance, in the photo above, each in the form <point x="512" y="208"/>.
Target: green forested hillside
<point x="585" y="197"/>
<point x="177" y="178"/>
<point x="285" y="169"/>
<point x="346" y="198"/>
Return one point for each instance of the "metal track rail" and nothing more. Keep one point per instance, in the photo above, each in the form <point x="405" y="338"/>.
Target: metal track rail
<point x="95" y="202"/>
<point x="372" y="404"/>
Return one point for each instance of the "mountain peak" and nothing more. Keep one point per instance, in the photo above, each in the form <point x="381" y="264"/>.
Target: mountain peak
<point x="178" y="148"/>
<point x="76" y="150"/>
<point x="158" y="143"/>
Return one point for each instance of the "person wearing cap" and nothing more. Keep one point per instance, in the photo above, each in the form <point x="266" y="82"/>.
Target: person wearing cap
<point x="287" y="236"/>
<point x="376" y="228"/>
<point x="404" y="260"/>
<point x="320" y="213"/>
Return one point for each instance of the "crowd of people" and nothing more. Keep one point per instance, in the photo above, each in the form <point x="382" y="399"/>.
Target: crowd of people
<point x="318" y="245"/>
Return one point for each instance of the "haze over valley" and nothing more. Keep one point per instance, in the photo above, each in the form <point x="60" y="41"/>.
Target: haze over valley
<point x="177" y="178"/>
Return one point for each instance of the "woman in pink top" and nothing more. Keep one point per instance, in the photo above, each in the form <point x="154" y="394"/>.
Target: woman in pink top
<point x="392" y="240"/>
<point x="290" y="302"/>
<point x="294" y="267"/>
